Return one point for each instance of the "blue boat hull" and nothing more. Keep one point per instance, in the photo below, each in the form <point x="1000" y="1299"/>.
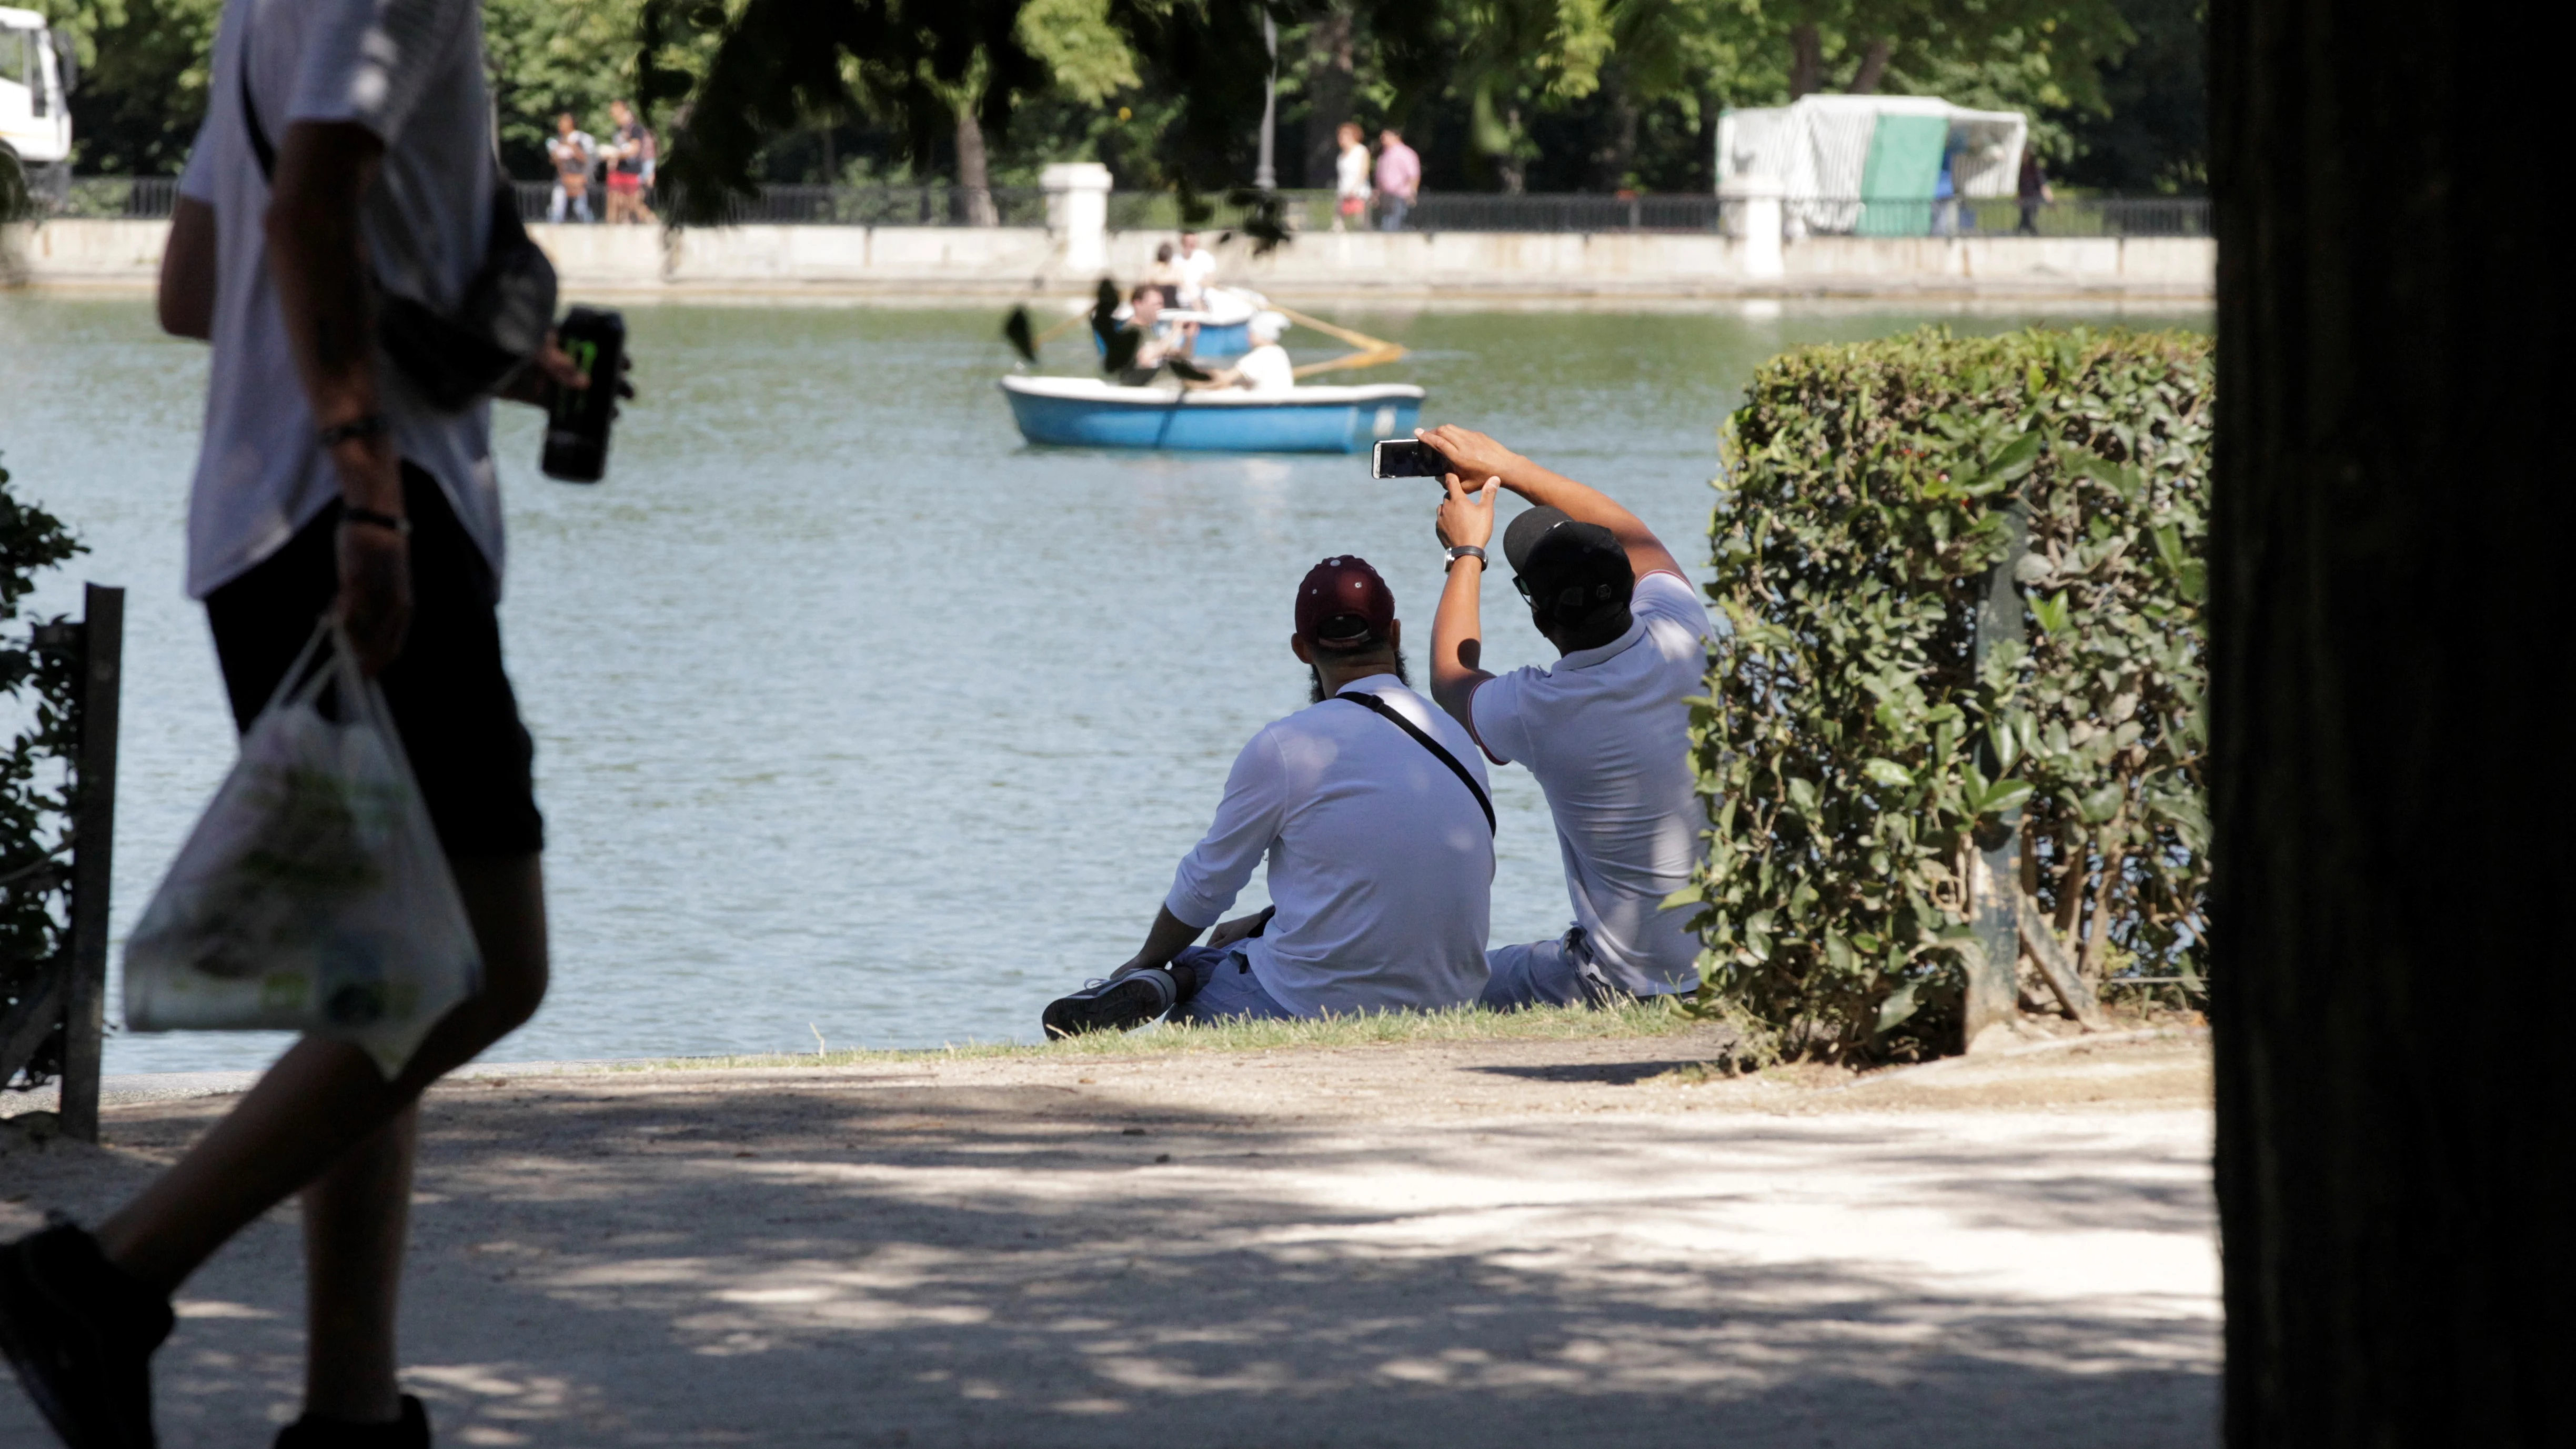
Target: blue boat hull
<point x="1214" y="343"/>
<point x="1162" y="420"/>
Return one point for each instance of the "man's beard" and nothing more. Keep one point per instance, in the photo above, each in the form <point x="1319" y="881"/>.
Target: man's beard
<point x="1315" y="679"/>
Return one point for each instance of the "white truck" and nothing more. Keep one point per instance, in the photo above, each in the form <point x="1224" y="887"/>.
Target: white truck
<point x="37" y="73"/>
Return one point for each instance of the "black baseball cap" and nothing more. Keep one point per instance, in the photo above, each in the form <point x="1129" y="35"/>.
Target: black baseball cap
<point x="1564" y="568"/>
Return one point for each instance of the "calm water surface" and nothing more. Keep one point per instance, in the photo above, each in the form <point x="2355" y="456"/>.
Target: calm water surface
<point x="855" y="717"/>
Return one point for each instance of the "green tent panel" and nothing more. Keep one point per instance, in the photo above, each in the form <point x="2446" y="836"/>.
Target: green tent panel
<point x="1904" y="165"/>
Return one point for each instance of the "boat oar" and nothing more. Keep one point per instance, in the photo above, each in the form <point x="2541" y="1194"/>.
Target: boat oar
<point x="1373" y="351"/>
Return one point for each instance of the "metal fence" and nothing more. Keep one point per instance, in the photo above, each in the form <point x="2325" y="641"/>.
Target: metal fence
<point x="1316" y="211"/>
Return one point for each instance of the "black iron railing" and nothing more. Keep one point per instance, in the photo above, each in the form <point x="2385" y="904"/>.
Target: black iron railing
<point x="1316" y="211"/>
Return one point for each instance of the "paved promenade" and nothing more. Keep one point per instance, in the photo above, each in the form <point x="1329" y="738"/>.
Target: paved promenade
<point x="1523" y="1243"/>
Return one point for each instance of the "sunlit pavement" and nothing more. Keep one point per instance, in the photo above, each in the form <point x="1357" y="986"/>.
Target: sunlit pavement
<point x="1502" y="1243"/>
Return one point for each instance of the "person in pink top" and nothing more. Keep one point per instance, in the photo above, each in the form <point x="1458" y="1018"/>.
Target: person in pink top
<point x="1399" y="179"/>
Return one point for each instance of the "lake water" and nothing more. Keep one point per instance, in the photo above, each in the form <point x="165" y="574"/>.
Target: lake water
<point x="854" y="716"/>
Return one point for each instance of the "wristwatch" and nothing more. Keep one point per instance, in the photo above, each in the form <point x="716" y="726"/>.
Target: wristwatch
<point x="1464" y="550"/>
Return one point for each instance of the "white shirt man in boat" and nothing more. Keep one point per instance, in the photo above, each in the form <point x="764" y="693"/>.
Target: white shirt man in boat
<point x="1606" y="728"/>
<point x="1197" y="271"/>
<point x="1266" y="368"/>
<point x="1371" y="810"/>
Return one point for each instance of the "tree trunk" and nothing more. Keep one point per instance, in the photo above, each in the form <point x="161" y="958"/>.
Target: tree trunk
<point x="1806" y="59"/>
<point x="1330" y="67"/>
<point x="974" y="173"/>
<point x="1510" y="165"/>
<point x="1873" y="68"/>
<point x="2389" y="589"/>
<point x="1620" y="153"/>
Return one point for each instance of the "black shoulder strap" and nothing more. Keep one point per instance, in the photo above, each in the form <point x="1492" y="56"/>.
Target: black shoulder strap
<point x="1380" y="707"/>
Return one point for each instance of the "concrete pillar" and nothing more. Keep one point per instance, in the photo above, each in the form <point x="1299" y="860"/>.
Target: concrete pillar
<point x="1077" y="208"/>
<point x="1753" y="205"/>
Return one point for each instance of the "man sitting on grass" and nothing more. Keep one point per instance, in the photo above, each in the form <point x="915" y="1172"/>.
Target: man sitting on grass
<point x="1606" y="729"/>
<point x="1372" y="809"/>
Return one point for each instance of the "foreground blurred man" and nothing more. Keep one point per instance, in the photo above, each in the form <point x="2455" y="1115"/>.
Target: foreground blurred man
<point x="1372" y="810"/>
<point x="325" y="483"/>
<point x="1606" y="729"/>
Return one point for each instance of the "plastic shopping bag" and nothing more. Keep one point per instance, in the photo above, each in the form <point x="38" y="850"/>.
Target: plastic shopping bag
<point x="313" y="895"/>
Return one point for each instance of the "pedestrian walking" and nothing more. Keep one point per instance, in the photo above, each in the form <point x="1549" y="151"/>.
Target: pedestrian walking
<point x="574" y="152"/>
<point x="1399" y="179"/>
<point x="1350" y="177"/>
<point x="347" y="151"/>
<point x="2033" y="190"/>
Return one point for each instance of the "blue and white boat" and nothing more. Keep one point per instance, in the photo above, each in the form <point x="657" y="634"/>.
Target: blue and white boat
<point x="1085" y="412"/>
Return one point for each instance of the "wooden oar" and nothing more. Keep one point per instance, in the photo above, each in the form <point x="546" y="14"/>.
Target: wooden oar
<point x="1372" y="350"/>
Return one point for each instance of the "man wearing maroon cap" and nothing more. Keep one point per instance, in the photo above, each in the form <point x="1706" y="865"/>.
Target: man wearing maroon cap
<point x="1606" y="728"/>
<point x="1372" y="810"/>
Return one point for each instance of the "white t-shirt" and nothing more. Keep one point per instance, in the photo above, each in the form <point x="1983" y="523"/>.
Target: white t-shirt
<point x="410" y="71"/>
<point x="1351" y="172"/>
<point x="1198" y="268"/>
<point x="1267" y="369"/>
<point x="1607" y="734"/>
<point x="1381" y="863"/>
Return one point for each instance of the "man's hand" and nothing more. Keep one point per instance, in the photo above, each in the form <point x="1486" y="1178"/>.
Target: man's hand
<point x="1466" y="520"/>
<point x="1473" y="454"/>
<point x="375" y="592"/>
<point x="552" y="369"/>
<point x="1241" y="928"/>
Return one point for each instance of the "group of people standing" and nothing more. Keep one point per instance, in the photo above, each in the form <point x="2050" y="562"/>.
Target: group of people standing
<point x="1391" y="184"/>
<point x="627" y="157"/>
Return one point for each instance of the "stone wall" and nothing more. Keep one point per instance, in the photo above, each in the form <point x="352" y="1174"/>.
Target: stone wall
<point x="966" y="262"/>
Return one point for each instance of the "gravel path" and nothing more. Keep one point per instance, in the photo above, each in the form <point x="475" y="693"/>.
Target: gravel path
<point x="1507" y="1243"/>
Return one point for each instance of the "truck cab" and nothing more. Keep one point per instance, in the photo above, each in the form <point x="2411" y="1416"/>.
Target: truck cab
<point x="37" y="72"/>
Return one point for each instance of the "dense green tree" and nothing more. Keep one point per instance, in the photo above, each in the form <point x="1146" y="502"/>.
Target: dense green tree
<point x="142" y="90"/>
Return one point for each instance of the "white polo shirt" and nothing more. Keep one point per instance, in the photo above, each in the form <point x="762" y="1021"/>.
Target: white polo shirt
<point x="410" y="71"/>
<point x="1607" y="734"/>
<point x="1381" y="863"/>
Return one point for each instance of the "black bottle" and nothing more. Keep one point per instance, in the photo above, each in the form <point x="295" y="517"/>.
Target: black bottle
<point x="577" y="427"/>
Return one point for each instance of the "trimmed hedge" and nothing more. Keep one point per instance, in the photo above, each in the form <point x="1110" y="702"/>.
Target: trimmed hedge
<point x="1853" y="755"/>
<point x="35" y="808"/>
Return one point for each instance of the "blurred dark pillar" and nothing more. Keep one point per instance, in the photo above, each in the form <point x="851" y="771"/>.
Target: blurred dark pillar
<point x="2391" y="617"/>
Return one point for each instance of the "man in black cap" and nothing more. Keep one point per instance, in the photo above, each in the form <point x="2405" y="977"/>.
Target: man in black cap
<point x="1371" y="808"/>
<point x="1606" y="729"/>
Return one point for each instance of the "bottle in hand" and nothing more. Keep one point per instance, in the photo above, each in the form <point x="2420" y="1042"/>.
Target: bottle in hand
<point x="577" y="427"/>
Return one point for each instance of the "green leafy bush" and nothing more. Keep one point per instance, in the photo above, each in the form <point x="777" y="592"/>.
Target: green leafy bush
<point x="35" y="821"/>
<point x="1854" y="752"/>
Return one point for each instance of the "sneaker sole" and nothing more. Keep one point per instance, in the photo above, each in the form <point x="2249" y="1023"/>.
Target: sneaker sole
<point x="1120" y="1006"/>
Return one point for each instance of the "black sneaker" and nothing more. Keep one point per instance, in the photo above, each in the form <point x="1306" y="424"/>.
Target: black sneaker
<point x="411" y="1431"/>
<point x="80" y="1332"/>
<point x="1121" y="1003"/>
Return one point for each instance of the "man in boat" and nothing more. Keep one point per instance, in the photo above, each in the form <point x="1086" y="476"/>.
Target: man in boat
<point x="1266" y="368"/>
<point x="1371" y="808"/>
<point x="1197" y="269"/>
<point x="1157" y="341"/>
<point x="1606" y="728"/>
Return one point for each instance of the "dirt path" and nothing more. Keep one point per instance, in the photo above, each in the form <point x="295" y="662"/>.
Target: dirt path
<point x="1522" y="1243"/>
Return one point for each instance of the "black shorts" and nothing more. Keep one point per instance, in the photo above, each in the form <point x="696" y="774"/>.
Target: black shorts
<point x="452" y="704"/>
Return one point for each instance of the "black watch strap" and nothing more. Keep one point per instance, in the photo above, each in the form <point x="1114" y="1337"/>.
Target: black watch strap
<point x="1467" y="550"/>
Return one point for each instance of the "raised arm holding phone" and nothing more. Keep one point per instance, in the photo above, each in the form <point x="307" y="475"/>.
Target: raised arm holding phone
<point x="1606" y="728"/>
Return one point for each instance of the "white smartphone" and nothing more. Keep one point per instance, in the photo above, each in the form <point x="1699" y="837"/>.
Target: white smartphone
<point x="1407" y="458"/>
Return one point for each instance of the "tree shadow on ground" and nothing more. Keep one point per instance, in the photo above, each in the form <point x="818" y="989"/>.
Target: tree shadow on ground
<point x="784" y="1263"/>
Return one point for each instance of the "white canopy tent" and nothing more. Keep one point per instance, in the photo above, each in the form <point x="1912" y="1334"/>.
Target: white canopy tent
<point x="1867" y="163"/>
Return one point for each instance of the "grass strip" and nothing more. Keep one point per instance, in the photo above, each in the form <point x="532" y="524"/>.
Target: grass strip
<point x="1391" y="1028"/>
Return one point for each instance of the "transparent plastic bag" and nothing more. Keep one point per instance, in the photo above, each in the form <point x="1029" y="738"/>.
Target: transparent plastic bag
<point x="312" y="895"/>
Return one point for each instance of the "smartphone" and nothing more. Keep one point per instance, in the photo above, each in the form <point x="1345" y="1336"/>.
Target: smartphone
<point x="577" y="428"/>
<point x="1407" y="458"/>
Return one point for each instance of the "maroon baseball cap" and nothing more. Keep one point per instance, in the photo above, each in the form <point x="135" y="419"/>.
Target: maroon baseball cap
<point x="1343" y="605"/>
